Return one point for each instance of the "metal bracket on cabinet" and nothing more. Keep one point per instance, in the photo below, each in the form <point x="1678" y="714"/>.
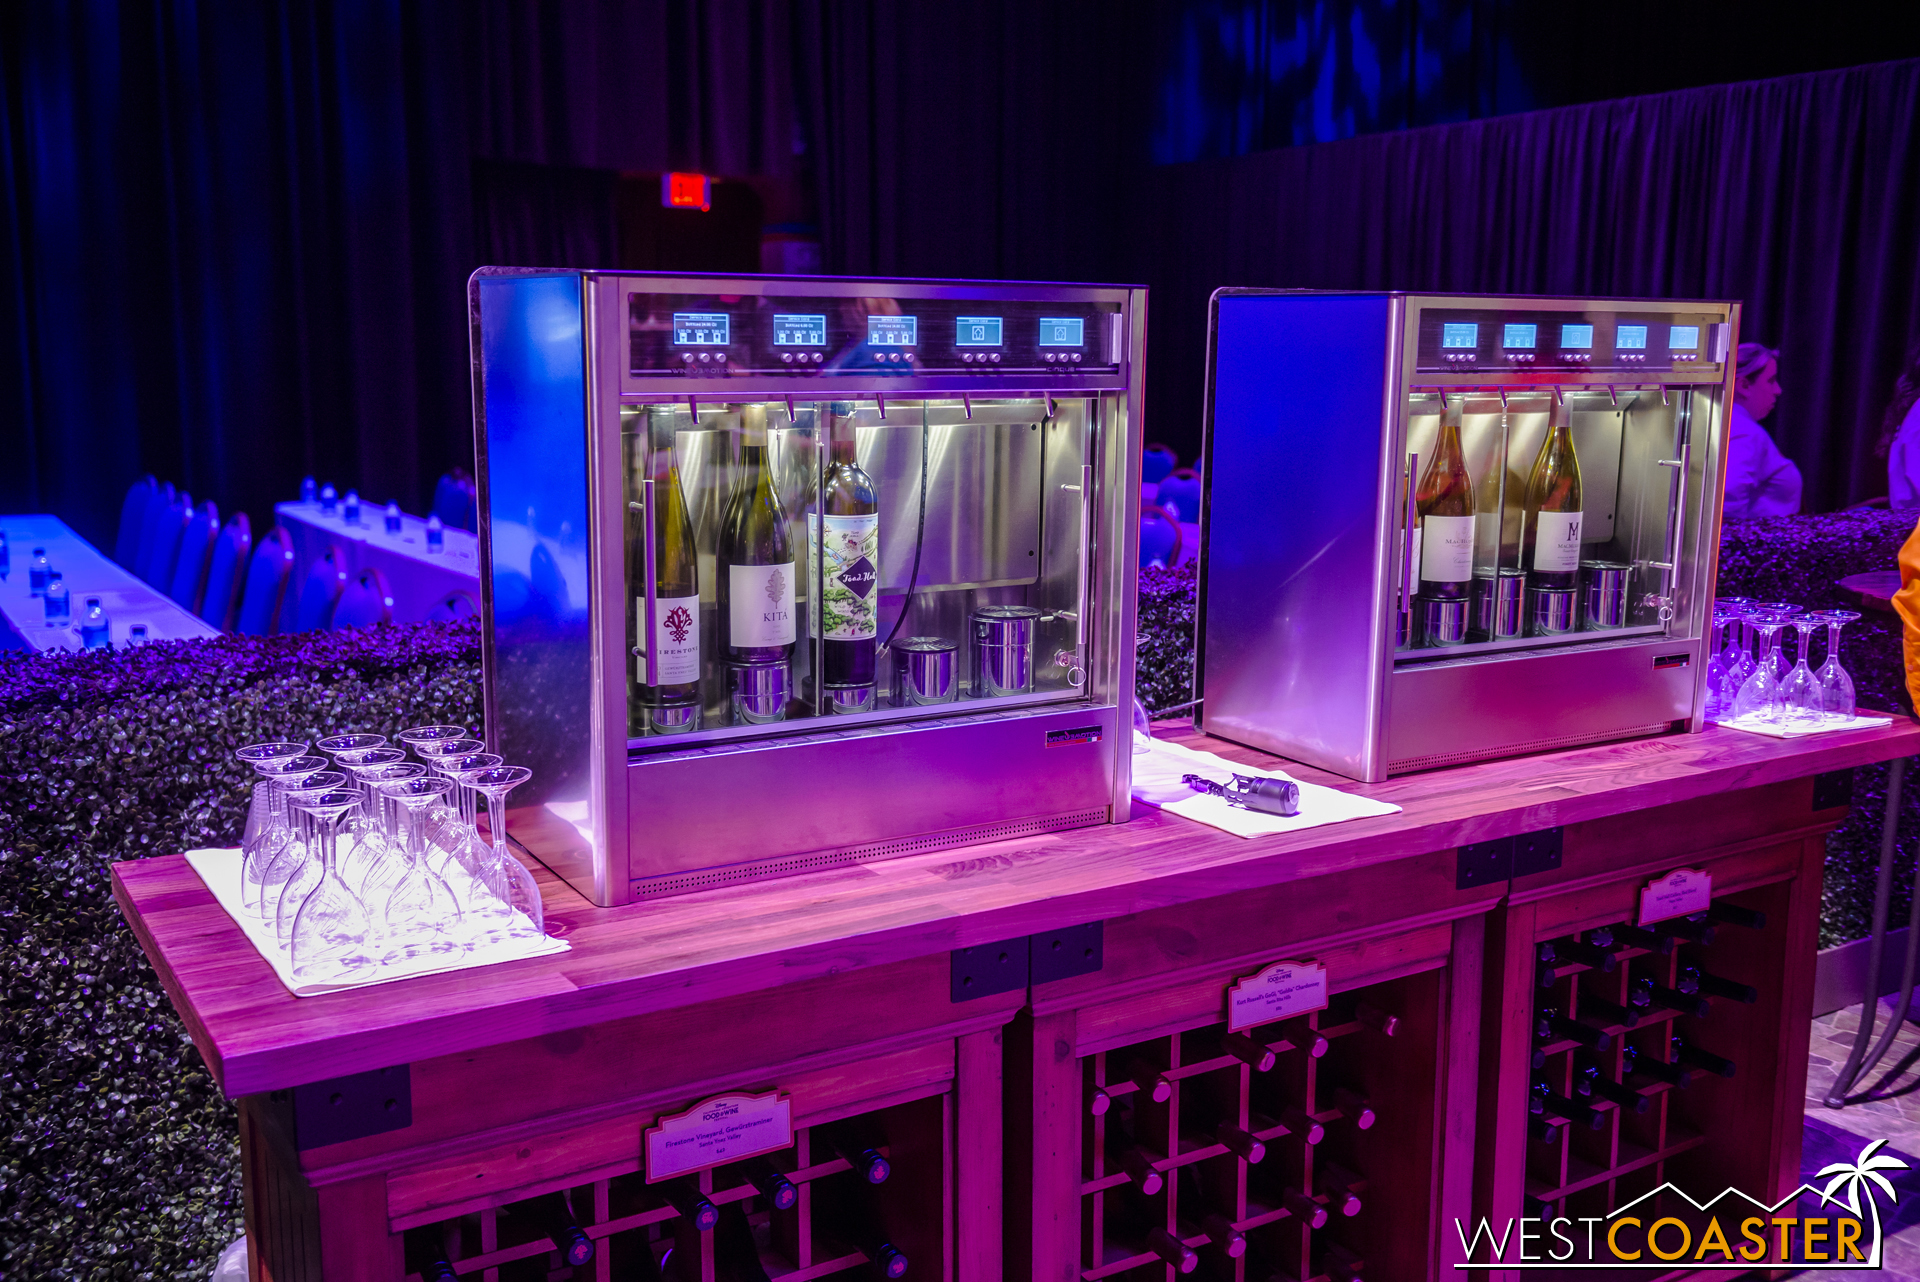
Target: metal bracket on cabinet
<point x="1014" y="964"/>
<point x="1833" y="789"/>
<point x="352" y="1107"/>
<point x="1485" y="863"/>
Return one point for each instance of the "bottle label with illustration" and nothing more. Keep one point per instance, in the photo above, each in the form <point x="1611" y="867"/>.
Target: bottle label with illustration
<point x="760" y="605"/>
<point x="1556" y="542"/>
<point x="1446" y="549"/>
<point x="676" y="640"/>
<point x="850" y="561"/>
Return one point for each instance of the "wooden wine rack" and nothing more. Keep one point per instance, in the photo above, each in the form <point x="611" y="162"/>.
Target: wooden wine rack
<point x="1764" y="850"/>
<point x="624" y="1215"/>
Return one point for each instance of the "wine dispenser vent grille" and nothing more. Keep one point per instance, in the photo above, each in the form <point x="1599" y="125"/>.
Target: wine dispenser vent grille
<point x="1436" y="760"/>
<point x="681" y="883"/>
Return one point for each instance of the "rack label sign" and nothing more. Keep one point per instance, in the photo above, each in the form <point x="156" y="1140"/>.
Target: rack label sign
<point x="1680" y="893"/>
<point x="1280" y="991"/>
<point x="726" y="1128"/>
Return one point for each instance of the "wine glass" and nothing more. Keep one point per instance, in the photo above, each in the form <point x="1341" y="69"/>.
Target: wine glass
<point x="1836" y="687"/>
<point x="331" y="930"/>
<point x="1800" y="692"/>
<point x="279" y="839"/>
<point x="1759" y="693"/>
<point x="334" y="745"/>
<point x="459" y="837"/>
<point x="1737" y="656"/>
<point x="364" y="820"/>
<point x="296" y="868"/>
<point x="1717" y="663"/>
<point x="1784" y="611"/>
<point x="414" y="736"/>
<point x="263" y="810"/>
<point x="521" y="889"/>
<point x="375" y="861"/>
<point x="441" y="817"/>
<point x="422" y="916"/>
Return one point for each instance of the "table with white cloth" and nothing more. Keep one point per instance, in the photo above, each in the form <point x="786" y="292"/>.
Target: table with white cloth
<point x="417" y="579"/>
<point x="87" y="572"/>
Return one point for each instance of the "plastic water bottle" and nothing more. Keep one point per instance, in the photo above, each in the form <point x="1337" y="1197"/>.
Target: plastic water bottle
<point x="37" y="571"/>
<point x="6" y="557"/>
<point x="350" y="510"/>
<point x="59" y="608"/>
<point x="436" y="534"/>
<point x="137" y="634"/>
<point x="308" y="490"/>
<point x="96" y="632"/>
<point x="393" y="518"/>
<point x="329" y="499"/>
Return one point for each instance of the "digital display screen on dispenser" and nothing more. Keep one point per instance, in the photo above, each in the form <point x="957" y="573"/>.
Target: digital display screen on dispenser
<point x="1458" y="334"/>
<point x="1683" y="338"/>
<point x="976" y="331"/>
<point x="1063" y="331"/>
<point x="893" y="331"/>
<point x="799" y="330"/>
<point x="1518" y="337"/>
<point x="1576" y="337"/>
<point x="1630" y="338"/>
<point x="701" y="329"/>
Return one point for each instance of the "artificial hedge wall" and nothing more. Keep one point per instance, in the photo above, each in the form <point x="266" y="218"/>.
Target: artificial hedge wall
<point x="118" y="1154"/>
<point x="119" y="1158"/>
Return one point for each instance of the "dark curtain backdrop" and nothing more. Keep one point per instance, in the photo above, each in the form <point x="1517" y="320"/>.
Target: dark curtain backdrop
<point x="1800" y="197"/>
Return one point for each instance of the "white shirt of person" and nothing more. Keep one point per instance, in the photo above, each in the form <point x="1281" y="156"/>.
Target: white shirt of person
<point x="1903" y="462"/>
<point x="1761" y="481"/>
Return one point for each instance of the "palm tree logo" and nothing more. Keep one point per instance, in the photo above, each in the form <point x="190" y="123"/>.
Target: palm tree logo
<point x="1863" y="1173"/>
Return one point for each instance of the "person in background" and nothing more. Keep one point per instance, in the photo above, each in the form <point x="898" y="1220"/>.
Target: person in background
<point x="1761" y="481"/>
<point x="1900" y="436"/>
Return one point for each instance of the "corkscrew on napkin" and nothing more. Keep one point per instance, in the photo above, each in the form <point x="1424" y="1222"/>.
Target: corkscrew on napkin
<point x="1159" y="779"/>
<point x="1268" y="796"/>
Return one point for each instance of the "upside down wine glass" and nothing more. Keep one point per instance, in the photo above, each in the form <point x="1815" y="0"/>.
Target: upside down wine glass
<point x="376" y="862"/>
<point x="1759" y="693"/>
<point x="422" y="916"/>
<point x="280" y="844"/>
<point x="264" y="815"/>
<point x="1836" y="687"/>
<point x="507" y="872"/>
<point x="1784" y="612"/>
<point x="296" y="870"/>
<point x="1717" y="664"/>
<point x="1800" y="692"/>
<point x="331" y="931"/>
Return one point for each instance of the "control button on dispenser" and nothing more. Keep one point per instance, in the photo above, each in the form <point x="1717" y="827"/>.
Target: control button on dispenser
<point x="720" y="357"/>
<point x="787" y="357"/>
<point x="706" y="357"/>
<point x="687" y="357"/>
<point x="1076" y="357"/>
<point x="995" y="358"/>
<point x="967" y="357"/>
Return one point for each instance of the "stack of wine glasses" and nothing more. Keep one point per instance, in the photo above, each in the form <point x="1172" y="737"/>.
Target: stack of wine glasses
<point x="1749" y="678"/>
<point x="358" y="858"/>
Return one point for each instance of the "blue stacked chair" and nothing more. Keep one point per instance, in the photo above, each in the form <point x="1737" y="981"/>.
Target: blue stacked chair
<point x="453" y="607"/>
<point x="226" y="572"/>
<point x="189" y="576"/>
<point x="365" y="603"/>
<point x="154" y="530"/>
<point x="320" y="591"/>
<point x="1156" y="461"/>
<point x="1179" y="495"/>
<point x="1159" y="538"/>
<point x="133" y="517"/>
<point x="454" y="504"/>
<point x="268" y="571"/>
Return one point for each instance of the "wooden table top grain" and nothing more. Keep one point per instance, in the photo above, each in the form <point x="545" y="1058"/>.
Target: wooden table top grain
<point x="731" y="940"/>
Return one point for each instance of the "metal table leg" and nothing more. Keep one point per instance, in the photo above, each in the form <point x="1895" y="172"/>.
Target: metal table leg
<point x="1859" y="1064"/>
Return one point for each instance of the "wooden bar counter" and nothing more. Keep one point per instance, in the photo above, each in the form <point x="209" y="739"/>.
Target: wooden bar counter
<point x="1039" y="1128"/>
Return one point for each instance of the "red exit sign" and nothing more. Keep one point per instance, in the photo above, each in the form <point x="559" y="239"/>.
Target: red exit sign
<point x="686" y="191"/>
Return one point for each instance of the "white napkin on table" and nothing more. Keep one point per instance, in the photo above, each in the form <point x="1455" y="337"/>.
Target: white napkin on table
<point x="1753" y="725"/>
<point x="220" y="870"/>
<point x="1157" y="781"/>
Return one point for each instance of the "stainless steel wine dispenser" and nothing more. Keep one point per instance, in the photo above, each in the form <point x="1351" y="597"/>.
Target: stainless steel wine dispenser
<point x="1000" y="423"/>
<point x="1323" y="408"/>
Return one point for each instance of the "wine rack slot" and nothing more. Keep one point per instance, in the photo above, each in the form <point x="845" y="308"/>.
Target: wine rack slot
<point x="862" y="1194"/>
<point x="1279" y="1153"/>
<point x="1659" y="1059"/>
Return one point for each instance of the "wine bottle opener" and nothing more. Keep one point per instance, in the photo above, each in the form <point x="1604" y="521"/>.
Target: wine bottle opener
<point x="1268" y="796"/>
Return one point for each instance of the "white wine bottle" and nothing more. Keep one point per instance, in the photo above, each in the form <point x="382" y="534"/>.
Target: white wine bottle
<point x="1445" y="502"/>
<point x="849" y="575"/>
<point x="671" y="705"/>
<point x="755" y="574"/>
<point x="1552" y="541"/>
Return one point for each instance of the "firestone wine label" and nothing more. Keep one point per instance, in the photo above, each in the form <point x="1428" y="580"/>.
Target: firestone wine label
<point x="1556" y="542"/>
<point x="1446" y="549"/>
<point x="760" y="605"/>
<point x="676" y="639"/>
<point x="851" y="565"/>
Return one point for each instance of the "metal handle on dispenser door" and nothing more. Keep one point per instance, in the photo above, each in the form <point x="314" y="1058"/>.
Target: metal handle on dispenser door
<point x="1406" y="540"/>
<point x="1086" y="552"/>
<point x="1676" y="537"/>
<point x="651" y="585"/>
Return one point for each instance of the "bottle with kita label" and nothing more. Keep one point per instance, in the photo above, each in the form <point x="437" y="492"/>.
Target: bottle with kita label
<point x="755" y="575"/>
<point x="670" y="703"/>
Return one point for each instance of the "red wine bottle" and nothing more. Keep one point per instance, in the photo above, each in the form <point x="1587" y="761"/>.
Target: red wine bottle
<point x="1099" y="1102"/>
<point x="1238" y="1142"/>
<point x="1685" y="1052"/>
<point x="1676" y="999"/>
<point x="1610" y="1011"/>
<point x="1302" y="1124"/>
<point x="1714" y="986"/>
<point x="1633" y="1060"/>
<point x="1138" y="1165"/>
<point x="1585" y="954"/>
<point x="1338" y="1183"/>
<point x="849" y="571"/>
<point x="1559" y="1028"/>
<point x="1303" y="1208"/>
<point x="1354" y="1107"/>
<point x="1686" y="929"/>
<point x="1380" y="1021"/>
<point x="1554" y="1104"/>
<point x="684" y="1196"/>
<point x="1182" y="1257"/>
<point x="1248" y="1051"/>
<point x="1636" y="937"/>
<point x="1153" y="1084"/>
<point x="1735" y="915"/>
<point x="771" y="1183"/>
<point x="866" y="1159"/>
<point x="1341" y="1264"/>
<point x="1542" y="1131"/>
<point x="553" y="1213"/>
<point x="1594" y="1081"/>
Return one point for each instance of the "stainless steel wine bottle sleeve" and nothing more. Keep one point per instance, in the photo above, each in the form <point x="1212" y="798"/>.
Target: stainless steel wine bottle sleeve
<point x="651" y="633"/>
<point x="1407" y="567"/>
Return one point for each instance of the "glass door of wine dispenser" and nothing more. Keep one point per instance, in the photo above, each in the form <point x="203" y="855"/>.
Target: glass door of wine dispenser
<point x="952" y="563"/>
<point x="1617" y="579"/>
